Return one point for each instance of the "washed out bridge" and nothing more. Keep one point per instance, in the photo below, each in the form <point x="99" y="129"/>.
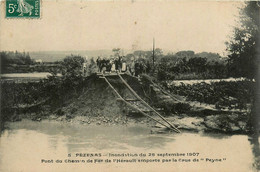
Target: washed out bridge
<point x="142" y="106"/>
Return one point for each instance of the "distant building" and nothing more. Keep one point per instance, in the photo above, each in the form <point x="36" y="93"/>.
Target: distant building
<point x="39" y="61"/>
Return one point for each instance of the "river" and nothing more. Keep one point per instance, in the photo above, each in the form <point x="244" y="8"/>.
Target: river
<point x="27" y="145"/>
<point x="25" y="77"/>
<point x="208" y="81"/>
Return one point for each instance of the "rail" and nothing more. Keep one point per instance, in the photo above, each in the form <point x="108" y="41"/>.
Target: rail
<point x="146" y="104"/>
<point x="120" y="98"/>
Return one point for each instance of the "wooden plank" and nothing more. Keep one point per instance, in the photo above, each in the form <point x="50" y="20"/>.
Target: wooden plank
<point x="146" y="111"/>
<point x="132" y="100"/>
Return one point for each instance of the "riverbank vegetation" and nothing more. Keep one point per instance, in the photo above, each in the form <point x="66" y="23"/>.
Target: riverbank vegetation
<point x="17" y="62"/>
<point x="233" y="94"/>
<point x="34" y="97"/>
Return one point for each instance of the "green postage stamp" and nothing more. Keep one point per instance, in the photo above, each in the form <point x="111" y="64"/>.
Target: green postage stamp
<point x="23" y="8"/>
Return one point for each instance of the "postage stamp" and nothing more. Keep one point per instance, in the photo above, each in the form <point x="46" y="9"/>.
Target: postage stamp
<point x="23" y="8"/>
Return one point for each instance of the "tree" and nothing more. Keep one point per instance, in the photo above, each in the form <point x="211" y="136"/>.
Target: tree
<point x="243" y="43"/>
<point x="116" y="51"/>
<point x="72" y="66"/>
<point x="187" y="54"/>
<point x="243" y="48"/>
<point x="91" y="67"/>
<point x="72" y="74"/>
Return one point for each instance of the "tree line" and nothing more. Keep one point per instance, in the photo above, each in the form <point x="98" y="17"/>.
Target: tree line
<point x="21" y="62"/>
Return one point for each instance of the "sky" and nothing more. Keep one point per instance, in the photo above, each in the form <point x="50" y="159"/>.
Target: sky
<point x="89" y="25"/>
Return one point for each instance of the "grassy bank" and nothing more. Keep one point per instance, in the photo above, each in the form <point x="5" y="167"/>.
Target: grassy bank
<point x="233" y="94"/>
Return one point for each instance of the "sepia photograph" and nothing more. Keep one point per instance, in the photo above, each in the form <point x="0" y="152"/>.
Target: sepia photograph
<point x="131" y="85"/>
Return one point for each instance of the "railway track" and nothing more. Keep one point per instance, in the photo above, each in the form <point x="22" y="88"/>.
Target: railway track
<point x="137" y="103"/>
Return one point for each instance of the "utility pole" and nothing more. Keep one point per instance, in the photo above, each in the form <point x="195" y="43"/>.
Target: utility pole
<point x="153" y="52"/>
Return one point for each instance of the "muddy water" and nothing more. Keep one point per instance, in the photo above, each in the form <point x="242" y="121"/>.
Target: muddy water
<point x="26" y="75"/>
<point x="25" y="144"/>
<point x="208" y="81"/>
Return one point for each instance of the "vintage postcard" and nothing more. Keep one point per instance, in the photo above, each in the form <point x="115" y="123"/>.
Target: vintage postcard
<point x="132" y="85"/>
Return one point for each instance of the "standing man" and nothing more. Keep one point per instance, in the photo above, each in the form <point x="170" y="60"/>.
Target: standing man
<point x="99" y="64"/>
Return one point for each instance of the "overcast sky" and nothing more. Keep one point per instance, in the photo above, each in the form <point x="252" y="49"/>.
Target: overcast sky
<point x="81" y="25"/>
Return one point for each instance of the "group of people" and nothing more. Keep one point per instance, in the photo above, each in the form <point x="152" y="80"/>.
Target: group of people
<point x="118" y="64"/>
<point x="138" y="67"/>
<point x="111" y="65"/>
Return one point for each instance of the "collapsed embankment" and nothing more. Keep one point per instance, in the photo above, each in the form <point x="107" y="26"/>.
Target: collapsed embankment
<point x="98" y="105"/>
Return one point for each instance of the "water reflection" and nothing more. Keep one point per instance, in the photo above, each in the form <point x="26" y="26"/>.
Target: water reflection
<point x="27" y="142"/>
<point x="254" y="141"/>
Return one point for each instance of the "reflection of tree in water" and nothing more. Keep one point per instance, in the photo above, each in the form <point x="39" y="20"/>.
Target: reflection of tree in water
<point x="253" y="139"/>
<point x="1" y="125"/>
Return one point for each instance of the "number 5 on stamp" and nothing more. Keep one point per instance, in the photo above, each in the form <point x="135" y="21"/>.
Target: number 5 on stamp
<point x="23" y="8"/>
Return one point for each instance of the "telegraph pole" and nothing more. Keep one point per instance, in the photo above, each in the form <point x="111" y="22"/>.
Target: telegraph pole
<point x="153" y="52"/>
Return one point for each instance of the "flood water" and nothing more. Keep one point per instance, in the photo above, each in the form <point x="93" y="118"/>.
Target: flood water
<point x="26" y="75"/>
<point x="208" y="81"/>
<point x="27" y="145"/>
